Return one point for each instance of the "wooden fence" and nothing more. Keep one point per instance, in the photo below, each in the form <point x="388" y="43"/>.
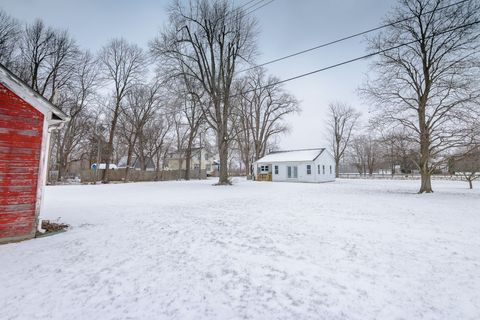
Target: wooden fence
<point x="87" y="176"/>
<point x="410" y="176"/>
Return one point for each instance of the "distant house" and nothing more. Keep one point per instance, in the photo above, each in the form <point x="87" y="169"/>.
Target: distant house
<point x="306" y="165"/>
<point x="201" y="158"/>
<point x="102" y="166"/>
<point x="26" y="120"/>
<point x="135" y="163"/>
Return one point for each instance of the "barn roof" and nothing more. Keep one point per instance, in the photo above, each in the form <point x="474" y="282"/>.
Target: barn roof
<point x="36" y="100"/>
<point x="292" y="155"/>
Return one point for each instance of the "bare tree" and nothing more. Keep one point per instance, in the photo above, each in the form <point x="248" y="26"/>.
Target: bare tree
<point x="180" y="135"/>
<point x="426" y="81"/>
<point x="158" y="137"/>
<point x="142" y="103"/>
<point x="262" y="109"/>
<point x="243" y="139"/>
<point x="365" y="153"/>
<point x="47" y="59"/>
<point x="210" y="39"/>
<point x="189" y="97"/>
<point x="9" y="33"/>
<point x="123" y="65"/>
<point x="395" y="147"/>
<point x="76" y="100"/>
<point x="468" y="165"/>
<point x="342" y="119"/>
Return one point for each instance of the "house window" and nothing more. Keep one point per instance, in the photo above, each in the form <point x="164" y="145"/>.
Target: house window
<point x="276" y="169"/>
<point x="264" y="169"/>
<point x="330" y="169"/>
<point x="323" y="169"/>
<point x="289" y="172"/>
<point x="309" y="169"/>
<point x="295" y="171"/>
<point x="318" y="169"/>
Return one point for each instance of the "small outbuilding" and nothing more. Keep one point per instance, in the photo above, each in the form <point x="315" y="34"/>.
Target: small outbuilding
<point x="306" y="165"/>
<point x="26" y="119"/>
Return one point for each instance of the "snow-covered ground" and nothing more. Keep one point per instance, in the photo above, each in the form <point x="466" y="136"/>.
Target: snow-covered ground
<point x="353" y="249"/>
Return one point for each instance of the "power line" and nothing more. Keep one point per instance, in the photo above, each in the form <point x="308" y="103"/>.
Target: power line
<point x="360" y="58"/>
<point x="355" y="35"/>
<point x="246" y="4"/>
<point x="258" y="8"/>
<point x="246" y="11"/>
<point x="256" y="3"/>
<point x="343" y="62"/>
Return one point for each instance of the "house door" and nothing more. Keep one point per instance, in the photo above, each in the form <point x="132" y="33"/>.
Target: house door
<point x="292" y="172"/>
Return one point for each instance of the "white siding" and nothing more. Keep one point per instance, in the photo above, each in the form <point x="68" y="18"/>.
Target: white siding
<point x="325" y="159"/>
<point x="302" y="175"/>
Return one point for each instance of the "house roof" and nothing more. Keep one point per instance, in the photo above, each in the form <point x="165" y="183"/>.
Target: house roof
<point x="36" y="100"/>
<point x="292" y="155"/>
<point x="134" y="161"/>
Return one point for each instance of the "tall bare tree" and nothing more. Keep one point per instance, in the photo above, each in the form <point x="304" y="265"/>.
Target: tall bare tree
<point x="123" y="65"/>
<point x="158" y="136"/>
<point x="395" y="148"/>
<point x="189" y="97"/>
<point x="142" y="104"/>
<point x="261" y="112"/>
<point x="77" y="98"/>
<point x="148" y="106"/>
<point x="210" y="39"/>
<point x="47" y="59"/>
<point x="341" y="121"/>
<point x="9" y="33"/>
<point x="365" y="153"/>
<point x="467" y="164"/>
<point x="426" y="82"/>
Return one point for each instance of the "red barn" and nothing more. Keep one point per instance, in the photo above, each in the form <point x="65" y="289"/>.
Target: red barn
<point x="26" y="119"/>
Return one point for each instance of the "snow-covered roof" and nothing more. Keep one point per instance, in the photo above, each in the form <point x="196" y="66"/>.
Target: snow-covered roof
<point x="36" y="100"/>
<point x="292" y="155"/>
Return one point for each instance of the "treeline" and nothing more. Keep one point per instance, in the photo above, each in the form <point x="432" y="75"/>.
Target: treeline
<point x="186" y="90"/>
<point x="423" y="93"/>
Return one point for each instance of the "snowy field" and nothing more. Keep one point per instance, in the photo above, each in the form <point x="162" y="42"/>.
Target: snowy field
<point x="353" y="249"/>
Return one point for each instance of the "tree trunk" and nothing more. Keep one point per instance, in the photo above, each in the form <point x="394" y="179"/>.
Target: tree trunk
<point x="223" y="154"/>
<point x="188" y="158"/>
<point x="337" y="167"/>
<point x="426" y="181"/>
<point x="129" y="159"/>
<point x="157" y="168"/>
<point x="180" y="166"/>
<point x="110" y="144"/>
<point x="62" y="168"/>
<point x="246" y="162"/>
<point x="470" y="183"/>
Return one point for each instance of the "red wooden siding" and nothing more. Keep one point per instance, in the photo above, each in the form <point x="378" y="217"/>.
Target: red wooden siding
<point x="20" y="147"/>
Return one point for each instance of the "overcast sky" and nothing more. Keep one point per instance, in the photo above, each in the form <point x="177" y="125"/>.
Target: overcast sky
<point x="286" y="26"/>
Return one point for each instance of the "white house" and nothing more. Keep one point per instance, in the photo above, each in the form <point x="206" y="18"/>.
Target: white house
<point x="307" y="165"/>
